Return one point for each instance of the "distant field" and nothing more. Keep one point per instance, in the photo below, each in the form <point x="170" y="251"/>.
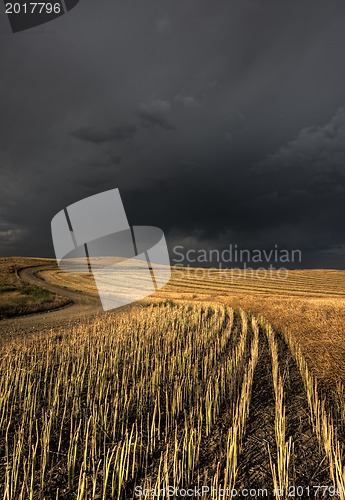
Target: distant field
<point x="188" y="281"/>
<point x="18" y="298"/>
<point x="307" y="304"/>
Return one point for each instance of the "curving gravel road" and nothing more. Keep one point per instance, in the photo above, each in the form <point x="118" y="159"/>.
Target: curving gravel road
<point x="83" y="306"/>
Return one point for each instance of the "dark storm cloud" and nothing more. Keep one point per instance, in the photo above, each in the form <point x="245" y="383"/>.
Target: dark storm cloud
<point x="11" y="235"/>
<point x="318" y="149"/>
<point x="293" y="198"/>
<point x="91" y="134"/>
<point x="155" y="113"/>
<point x="308" y="173"/>
<point x="150" y="114"/>
<point x="149" y="119"/>
<point x="215" y="122"/>
<point x="188" y="101"/>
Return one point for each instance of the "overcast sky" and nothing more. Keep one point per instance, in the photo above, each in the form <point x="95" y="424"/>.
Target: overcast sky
<point x="220" y="122"/>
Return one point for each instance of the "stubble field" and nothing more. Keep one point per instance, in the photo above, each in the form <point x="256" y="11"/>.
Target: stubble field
<point x="202" y="385"/>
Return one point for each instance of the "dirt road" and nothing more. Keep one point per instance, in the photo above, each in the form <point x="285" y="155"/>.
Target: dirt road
<point x="83" y="305"/>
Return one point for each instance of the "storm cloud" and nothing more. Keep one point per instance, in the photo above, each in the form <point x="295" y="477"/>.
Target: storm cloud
<point x="218" y="123"/>
<point x="91" y="134"/>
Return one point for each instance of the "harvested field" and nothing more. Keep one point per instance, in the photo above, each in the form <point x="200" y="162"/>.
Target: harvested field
<point x="175" y="394"/>
<point x="308" y="305"/>
<point x="18" y="297"/>
<point x="216" y="386"/>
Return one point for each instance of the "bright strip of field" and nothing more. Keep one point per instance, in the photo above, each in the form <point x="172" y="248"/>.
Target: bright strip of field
<point x="316" y="283"/>
<point x="307" y="304"/>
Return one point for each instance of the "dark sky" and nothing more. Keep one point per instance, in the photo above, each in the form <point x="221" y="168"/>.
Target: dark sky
<point x="220" y="122"/>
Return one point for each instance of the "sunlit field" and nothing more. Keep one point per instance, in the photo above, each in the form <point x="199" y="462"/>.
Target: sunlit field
<point x="214" y="387"/>
<point x="174" y="394"/>
<point x="307" y="305"/>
